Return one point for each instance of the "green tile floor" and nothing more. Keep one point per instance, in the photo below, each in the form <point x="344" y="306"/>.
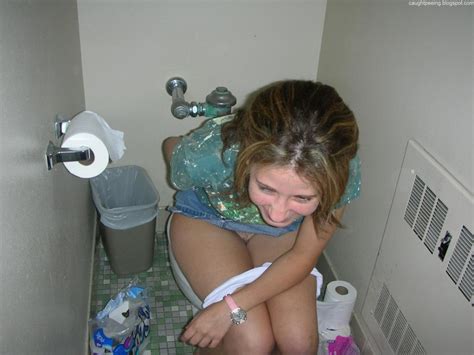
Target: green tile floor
<point x="170" y="309"/>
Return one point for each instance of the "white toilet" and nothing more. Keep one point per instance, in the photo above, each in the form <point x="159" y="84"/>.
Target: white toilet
<point x="181" y="280"/>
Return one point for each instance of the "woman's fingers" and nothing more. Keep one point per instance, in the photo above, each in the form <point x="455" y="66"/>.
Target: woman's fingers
<point x="208" y="327"/>
<point x="200" y="340"/>
<point x="196" y="340"/>
<point x="214" y="343"/>
<point x="187" y="335"/>
<point x="204" y="343"/>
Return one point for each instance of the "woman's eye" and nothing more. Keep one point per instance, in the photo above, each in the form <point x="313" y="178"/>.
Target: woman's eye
<point x="264" y="189"/>
<point x="303" y="199"/>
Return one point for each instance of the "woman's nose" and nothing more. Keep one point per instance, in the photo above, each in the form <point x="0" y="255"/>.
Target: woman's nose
<point x="278" y="212"/>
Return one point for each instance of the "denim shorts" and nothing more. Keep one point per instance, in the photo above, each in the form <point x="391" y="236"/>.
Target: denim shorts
<point x="188" y="204"/>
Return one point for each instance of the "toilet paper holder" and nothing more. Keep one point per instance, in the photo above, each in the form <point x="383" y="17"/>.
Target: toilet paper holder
<point x="60" y="125"/>
<point x="55" y="154"/>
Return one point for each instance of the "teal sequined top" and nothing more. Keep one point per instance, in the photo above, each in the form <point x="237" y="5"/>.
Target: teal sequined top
<point x="197" y="163"/>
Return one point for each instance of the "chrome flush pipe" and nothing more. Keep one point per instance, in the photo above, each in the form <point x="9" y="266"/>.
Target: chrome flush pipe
<point x="218" y="103"/>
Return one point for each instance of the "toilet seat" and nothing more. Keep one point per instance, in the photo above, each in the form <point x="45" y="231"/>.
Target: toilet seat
<point x="181" y="280"/>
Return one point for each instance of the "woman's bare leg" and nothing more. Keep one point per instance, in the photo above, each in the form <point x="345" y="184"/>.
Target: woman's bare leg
<point x="293" y="312"/>
<point x="208" y="256"/>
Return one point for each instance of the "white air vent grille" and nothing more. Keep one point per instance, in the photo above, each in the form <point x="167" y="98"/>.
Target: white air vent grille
<point x="418" y="349"/>
<point x="397" y="331"/>
<point x="389" y="317"/>
<point x="381" y="304"/>
<point x="414" y="202"/>
<point x="416" y="300"/>
<point x="437" y="221"/>
<point x="408" y="341"/>
<point x="459" y="260"/>
<point x="395" y="328"/>
<point x="418" y="216"/>
<point x="467" y="282"/>
<point x="424" y="213"/>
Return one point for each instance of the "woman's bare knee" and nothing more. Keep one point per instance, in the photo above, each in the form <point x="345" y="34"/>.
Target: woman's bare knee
<point x="295" y="323"/>
<point x="256" y="342"/>
<point x="298" y="342"/>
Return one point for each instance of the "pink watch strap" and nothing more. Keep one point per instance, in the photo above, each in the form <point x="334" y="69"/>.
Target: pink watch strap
<point x="230" y="302"/>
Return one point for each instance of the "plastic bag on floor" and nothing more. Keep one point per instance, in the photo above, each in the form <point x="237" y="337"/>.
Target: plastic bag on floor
<point x="339" y="346"/>
<point x="122" y="327"/>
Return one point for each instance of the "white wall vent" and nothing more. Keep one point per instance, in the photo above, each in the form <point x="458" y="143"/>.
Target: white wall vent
<point x="458" y="261"/>
<point x="420" y="296"/>
<point x="425" y="217"/>
<point x="394" y="326"/>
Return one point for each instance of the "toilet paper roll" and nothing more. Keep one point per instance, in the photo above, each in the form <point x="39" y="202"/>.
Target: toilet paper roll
<point x="88" y="129"/>
<point x="340" y="291"/>
<point x="335" y="311"/>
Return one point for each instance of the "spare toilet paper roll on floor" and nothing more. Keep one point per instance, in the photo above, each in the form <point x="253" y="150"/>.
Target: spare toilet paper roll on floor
<point x="334" y="312"/>
<point x="88" y="129"/>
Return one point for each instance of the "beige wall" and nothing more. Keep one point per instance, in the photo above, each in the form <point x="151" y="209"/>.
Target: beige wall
<point x="46" y="217"/>
<point x="407" y="72"/>
<point x="131" y="48"/>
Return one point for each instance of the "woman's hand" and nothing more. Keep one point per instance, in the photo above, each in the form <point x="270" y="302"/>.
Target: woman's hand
<point x="208" y="327"/>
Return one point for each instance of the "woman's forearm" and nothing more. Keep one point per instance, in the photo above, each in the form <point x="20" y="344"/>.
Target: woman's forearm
<point x="290" y="268"/>
<point x="285" y="272"/>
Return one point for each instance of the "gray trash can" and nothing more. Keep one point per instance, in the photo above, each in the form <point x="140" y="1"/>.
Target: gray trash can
<point x="127" y="203"/>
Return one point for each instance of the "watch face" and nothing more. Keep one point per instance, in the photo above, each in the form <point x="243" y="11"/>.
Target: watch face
<point x="238" y="316"/>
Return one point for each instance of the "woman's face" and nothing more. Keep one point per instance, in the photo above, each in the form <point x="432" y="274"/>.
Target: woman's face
<point x="281" y="195"/>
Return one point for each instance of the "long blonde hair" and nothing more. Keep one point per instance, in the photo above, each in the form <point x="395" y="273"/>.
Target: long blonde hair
<point x="301" y="124"/>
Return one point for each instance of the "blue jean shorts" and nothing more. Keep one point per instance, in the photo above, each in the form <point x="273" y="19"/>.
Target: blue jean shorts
<point x="188" y="204"/>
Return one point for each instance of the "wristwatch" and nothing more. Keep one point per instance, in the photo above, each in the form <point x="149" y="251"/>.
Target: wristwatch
<point x="237" y="314"/>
